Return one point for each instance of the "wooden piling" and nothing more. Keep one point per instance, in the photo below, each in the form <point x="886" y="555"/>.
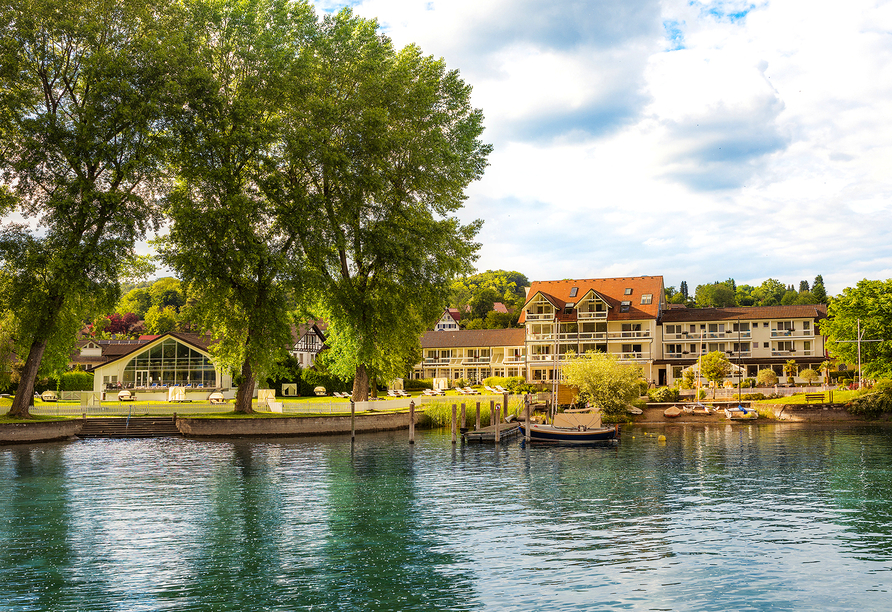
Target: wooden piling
<point x="477" y="427"/>
<point x="526" y="402"/>
<point x="462" y="420"/>
<point x="352" y="421"/>
<point x="498" y="418"/>
<point x="412" y="422"/>
<point x="454" y="439"/>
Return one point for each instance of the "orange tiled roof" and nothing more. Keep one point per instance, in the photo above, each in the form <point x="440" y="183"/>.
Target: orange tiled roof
<point x="612" y="290"/>
<point x="473" y="338"/>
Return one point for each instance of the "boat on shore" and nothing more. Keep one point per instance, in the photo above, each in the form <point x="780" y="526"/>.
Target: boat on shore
<point x="573" y="428"/>
<point x="740" y="413"/>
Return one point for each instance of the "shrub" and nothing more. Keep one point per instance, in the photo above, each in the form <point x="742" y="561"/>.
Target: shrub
<point x="76" y="380"/>
<point x="417" y="384"/>
<point x="767" y="377"/>
<point x="663" y="394"/>
<point x="508" y="382"/>
<point x="872" y="404"/>
<point x="749" y="383"/>
<point x="752" y="396"/>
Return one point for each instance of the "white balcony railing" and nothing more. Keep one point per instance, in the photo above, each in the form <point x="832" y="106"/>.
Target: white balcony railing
<point x="582" y="315"/>
<point x="633" y="356"/>
<point x="729" y="335"/>
<point x="544" y="316"/>
<point x="777" y="353"/>
<point x="622" y="335"/>
<point x="471" y="359"/>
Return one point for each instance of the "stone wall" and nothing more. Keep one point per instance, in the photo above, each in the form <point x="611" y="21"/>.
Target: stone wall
<point x="293" y="426"/>
<point x="39" y="431"/>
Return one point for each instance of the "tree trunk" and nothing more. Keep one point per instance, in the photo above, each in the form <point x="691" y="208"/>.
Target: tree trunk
<point x="25" y="393"/>
<point x="245" y="390"/>
<point x="373" y="386"/>
<point x="361" y="385"/>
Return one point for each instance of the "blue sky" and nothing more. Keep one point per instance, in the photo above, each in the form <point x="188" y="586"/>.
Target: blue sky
<point x="697" y="140"/>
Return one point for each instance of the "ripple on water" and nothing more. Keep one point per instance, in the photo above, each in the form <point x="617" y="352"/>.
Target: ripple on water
<point x="748" y="518"/>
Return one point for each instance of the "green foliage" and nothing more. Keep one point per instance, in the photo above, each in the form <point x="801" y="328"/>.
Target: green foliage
<point x="288" y="370"/>
<point x="748" y="383"/>
<point x="766" y="377"/>
<point x="716" y="295"/>
<point x="84" y="88"/>
<point x="76" y="380"/>
<point x="378" y="146"/>
<point x="810" y="375"/>
<point x="714" y="367"/>
<point x="480" y="291"/>
<point x="664" y="394"/>
<point x="874" y="402"/>
<point x="138" y="301"/>
<point x="506" y="382"/>
<point x="417" y="384"/>
<point x="161" y="320"/>
<point x="687" y="379"/>
<point x="817" y="289"/>
<point x="604" y="381"/>
<point x="869" y="302"/>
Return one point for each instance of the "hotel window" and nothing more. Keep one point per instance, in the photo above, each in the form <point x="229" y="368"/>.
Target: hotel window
<point x="741" y="347"/>
<point x="573" y="291"/>
<point x="631" y="348"/>
<point x="631" y="327"/>
<point x="741" y="327"/>
<point x="628" y="291"/>
<point x="624" y="306"/>
<point x="673" y="329"/>
<point x="786" y="325"/>
<point x="647" y="298"/>
<point x="673" y="348"/>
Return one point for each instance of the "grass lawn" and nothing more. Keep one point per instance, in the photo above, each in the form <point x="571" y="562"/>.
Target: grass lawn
<point x="839" y="397"/>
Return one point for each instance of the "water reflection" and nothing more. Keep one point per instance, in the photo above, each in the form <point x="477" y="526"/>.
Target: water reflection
<point x="718" y="517"/>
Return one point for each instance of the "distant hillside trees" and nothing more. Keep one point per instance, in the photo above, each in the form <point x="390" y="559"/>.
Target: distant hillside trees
<point x="771" y="292"/>
<point x="475" y="296"/>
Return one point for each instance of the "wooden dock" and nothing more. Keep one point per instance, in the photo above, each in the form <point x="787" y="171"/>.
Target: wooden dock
<point x="488" y="434"/>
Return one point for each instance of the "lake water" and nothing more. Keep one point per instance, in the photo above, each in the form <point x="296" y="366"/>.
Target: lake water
<point x="743" y="517"/>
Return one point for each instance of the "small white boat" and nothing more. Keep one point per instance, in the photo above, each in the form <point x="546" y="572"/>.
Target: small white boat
<point x="741" y="414"/>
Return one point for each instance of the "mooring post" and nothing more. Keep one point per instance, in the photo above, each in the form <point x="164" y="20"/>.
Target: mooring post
<point x="412" y="422"/>
<point x="477" y="425"/>
<point x="462" y="420"/>
<point x="498" y="418"/>
<point x="352" y="420"/>
<point x="526" y="405"/>
<point x="454" y="407"/>
<point x="505" y="404"/>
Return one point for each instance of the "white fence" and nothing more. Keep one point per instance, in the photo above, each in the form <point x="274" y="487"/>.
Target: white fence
<point x="306" y="406"/>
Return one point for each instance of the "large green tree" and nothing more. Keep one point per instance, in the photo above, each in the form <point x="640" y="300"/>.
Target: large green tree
<point x="226" y="238"/>
<point x="379" y="147"/>
<point x="83" y="84"/>
<point x="604" y="381"/>
<point x="868" y="304"/>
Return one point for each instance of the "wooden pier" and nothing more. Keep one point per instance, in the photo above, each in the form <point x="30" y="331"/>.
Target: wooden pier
<point x="506" y="431"/>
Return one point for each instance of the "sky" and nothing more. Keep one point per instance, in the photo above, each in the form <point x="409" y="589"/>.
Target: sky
<point x="699" y="141"/>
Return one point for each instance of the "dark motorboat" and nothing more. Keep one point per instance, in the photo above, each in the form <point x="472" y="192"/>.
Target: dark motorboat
<point x="574" y="428"/>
